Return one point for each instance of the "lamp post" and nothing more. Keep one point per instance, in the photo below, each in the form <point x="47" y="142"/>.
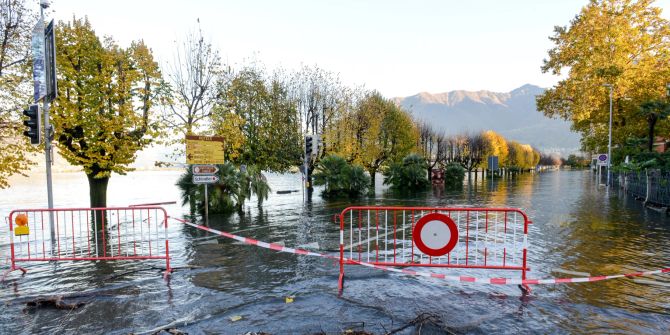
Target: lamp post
<point x="609" y="142"/>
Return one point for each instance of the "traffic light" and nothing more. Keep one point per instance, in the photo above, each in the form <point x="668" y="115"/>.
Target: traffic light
<point x="33" y="123"/>
<point x="308" y="146"/>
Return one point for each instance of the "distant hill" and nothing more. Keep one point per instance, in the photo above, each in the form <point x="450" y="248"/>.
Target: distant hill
<point x="512" y="114"/>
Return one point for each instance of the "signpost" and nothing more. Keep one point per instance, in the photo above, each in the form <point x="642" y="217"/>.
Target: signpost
<point x="601" y="161"/>
<point x="199" y="170"/>
<point x="205" y="180"/>
<point x="204" y="151"/>
<point x="493" y="163"/>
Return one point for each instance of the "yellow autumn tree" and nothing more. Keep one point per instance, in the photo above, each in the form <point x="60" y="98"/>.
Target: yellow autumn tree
<point x="16" y="21"/>
<point x="375" y="133"/>
<point x="496" y="145"/>
<point x="104" y="113"/>
<point x="621" y="43"/>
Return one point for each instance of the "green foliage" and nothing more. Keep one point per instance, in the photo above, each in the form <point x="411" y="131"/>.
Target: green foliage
<point x="409" y="175"/>
<point x="104" y="113"/>
<point x="235" y="186"/>
<point x="645" y="160"/>
<point x="453" y="175"/>
<point x="374" y="133"/>
<point x="261" y="121"/>
<point x="617" y="42"/>
<point x="340" y="178"/>
<point x="575" y="161"/>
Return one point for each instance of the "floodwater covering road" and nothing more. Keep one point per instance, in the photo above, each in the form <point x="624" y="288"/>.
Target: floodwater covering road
<point x="221" y="286"/>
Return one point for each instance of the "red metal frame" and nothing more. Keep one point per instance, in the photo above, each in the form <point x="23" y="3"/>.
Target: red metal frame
<point x="75" y="235"/>
<point x="488" y="238"/>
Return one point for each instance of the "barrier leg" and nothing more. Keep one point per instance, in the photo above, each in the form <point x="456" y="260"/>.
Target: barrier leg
<point x="340" y="283"/>
<point x="13" y="268"/>
<point x="525" y="289"/>
<point x="168" y="270"/>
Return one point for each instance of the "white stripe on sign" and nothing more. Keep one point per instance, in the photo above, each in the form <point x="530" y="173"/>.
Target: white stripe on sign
<point x="465" y="279"/>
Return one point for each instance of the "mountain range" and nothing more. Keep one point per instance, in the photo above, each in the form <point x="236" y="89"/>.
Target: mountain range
<point x="513" y="114"/>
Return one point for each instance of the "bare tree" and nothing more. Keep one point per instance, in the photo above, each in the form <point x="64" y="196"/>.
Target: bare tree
<point x="319" y="96"/>
<point x="432" y="146"/>
<point x="470" y="150"/>
<point x="193" y="79"/>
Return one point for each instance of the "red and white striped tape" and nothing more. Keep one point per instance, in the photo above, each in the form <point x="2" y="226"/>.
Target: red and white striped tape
<point x="465" y="279"/>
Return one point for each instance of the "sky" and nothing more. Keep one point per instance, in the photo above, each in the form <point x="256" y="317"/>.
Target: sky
<point x="399" y="48"/>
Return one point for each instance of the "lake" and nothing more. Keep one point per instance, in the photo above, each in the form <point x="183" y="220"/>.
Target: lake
<point x="222" y="286"/>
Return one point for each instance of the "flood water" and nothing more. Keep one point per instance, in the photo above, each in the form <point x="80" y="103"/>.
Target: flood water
<point x="221" y="286"/>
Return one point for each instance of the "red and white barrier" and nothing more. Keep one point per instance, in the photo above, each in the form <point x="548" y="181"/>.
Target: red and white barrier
<point x="462" y="279"/>
<point x="447" y="237"/>
<point x="88" y="234"/>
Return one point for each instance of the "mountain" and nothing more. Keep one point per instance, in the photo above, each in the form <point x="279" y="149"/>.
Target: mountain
<point x="512" y="114"/>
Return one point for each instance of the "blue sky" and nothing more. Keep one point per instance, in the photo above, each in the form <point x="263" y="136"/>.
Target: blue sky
<point x="397" y="47"/>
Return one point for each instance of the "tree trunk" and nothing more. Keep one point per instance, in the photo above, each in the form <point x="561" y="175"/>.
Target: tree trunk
<point x="373" y="173"/>
<point x="652" y="124"/>
<point x="98" y="199"/>
<point x="97" y="191"/>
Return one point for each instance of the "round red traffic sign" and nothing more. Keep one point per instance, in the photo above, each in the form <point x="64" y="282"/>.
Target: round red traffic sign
<point x="435" y="234"/>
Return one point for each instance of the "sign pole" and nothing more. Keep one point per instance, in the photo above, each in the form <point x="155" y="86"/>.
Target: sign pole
<point x="47" y="138"/>
<point x="206" y="206"/>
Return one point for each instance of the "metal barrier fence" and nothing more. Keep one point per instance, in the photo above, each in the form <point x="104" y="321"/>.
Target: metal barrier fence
<point x="474" y="238"/>
<point x="88" y="234"/>
<point x="651" y="185"/>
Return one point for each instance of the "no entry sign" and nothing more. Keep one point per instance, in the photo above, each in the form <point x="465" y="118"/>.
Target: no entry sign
<point x="435" y="234"/>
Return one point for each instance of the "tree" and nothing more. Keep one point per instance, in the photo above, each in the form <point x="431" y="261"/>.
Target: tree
<point x="653" y="111"/>
<point x="320" y="98"/>
<point x="495" y="145"/>
<point x="432" y="146"/>
<point x="470" y="150"/>
<point x="617" y="42"/>
<point x="382" y="133"/>
<point x="234" y="187"/>
<point x="16" y="21"/>
<point x="340" y="177"/>
<point x="104" y="111"/>
<point x="193" y="77"/>
<point x="261" y="119"/>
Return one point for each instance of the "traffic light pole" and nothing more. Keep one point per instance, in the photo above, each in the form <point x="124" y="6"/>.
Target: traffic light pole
<point x="47" y="148"/>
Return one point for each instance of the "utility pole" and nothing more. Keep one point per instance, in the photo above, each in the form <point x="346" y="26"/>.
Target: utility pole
<point x="44" y="4"/>
<point x="609" y="143"/>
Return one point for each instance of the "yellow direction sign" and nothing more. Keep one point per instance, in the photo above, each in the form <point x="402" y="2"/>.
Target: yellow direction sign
<point x="204" y="149"/>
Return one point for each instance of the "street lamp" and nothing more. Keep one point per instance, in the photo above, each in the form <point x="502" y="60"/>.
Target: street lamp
<point x="609" y="142"/>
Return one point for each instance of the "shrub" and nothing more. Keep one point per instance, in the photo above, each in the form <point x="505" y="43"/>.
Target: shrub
<point x="454" y="174"/>
<point x="409" y="175"/>
<point x="340" y="178"/>
<point x="234" y="187"/>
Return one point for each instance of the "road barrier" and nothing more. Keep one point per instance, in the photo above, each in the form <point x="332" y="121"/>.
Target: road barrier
<point x="403" y="271"/>
<point x="472" y="238"/>
<point x="88" y="234"/>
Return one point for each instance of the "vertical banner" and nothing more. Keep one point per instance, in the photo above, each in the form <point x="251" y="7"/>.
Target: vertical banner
<point x="39" y="74"/>
<point x="50" y="65"/>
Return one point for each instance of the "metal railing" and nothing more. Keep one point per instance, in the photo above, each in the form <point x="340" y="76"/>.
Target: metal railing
<point x="88" y="234"/>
